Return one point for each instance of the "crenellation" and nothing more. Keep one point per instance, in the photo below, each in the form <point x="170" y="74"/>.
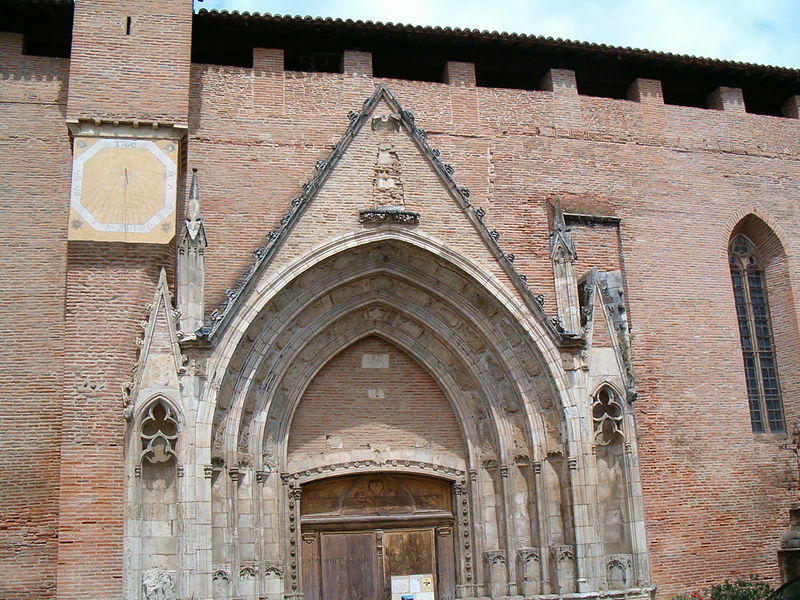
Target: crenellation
<point x="460" y="74"/>
<point x="791" y="108"/>
<point x="357" y="63"/>
<point x="646" y="91"/>
<point x="727" y="98"/>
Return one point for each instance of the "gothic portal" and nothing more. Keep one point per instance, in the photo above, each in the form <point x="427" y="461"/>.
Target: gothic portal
<point x="383" y="405"/>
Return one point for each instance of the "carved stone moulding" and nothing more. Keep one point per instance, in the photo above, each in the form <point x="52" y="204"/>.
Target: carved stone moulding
<point x="368" y="465"/>
<point x="388" y="214"/>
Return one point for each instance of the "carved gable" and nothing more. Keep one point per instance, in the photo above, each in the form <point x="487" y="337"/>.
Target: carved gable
<point x="382" y="179"/>
<point x="160" y="360"/>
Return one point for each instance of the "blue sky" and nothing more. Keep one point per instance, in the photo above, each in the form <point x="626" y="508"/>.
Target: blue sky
<point x="759" y="31"/>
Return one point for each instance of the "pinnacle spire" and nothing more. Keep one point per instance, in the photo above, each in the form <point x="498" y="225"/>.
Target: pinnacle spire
<point x="193" y="208"/>
<point x="193" y="232"/>
<point x="561" y="242"/>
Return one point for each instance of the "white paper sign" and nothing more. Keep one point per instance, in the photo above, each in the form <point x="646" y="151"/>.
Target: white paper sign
<point x="416" y="587"/>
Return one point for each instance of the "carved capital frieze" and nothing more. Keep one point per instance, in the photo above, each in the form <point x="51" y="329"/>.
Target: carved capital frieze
<point x="220" y="575"/>
<point x="248" y="572"/>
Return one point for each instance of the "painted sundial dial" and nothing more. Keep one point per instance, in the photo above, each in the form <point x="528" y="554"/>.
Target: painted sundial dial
<point x="123" y="190"/>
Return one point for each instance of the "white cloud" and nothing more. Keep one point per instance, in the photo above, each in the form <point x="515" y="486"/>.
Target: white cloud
<point x="760" y="31"/>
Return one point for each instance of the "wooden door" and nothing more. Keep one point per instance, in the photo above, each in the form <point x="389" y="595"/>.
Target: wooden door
<point x="406" y="553"/>
<point x="349" y="567"/>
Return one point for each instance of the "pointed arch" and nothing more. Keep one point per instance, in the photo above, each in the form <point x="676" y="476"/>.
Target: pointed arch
<point x="751" y="298"/>
<point x="498" y="368"/>
<point x="253" y="309"/>
<point x="414" y="285"/>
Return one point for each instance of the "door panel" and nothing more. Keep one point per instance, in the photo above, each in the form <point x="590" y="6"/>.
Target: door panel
<point x="349" y="567"/>
<point x="311" y="565"/>
<point x="408" y="552"/>
<point x="445" y="563"/>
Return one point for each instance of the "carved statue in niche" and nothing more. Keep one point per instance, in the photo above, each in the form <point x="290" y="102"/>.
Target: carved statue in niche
<point x="387" y="187"/>
<point x="522" y="450"/>
<point x="488" y="454"/>
<point x="159" y="585"/>
<point x="219" y="440"/>
<point x="269" y="456"/>
<point x="245" y="458"/>
<point x="244" y="438"/>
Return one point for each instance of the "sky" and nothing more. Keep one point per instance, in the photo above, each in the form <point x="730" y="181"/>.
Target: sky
<point x="757" y="31"/>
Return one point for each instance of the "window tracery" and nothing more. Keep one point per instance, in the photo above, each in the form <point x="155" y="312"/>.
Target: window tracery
<point x="755" y="336"/>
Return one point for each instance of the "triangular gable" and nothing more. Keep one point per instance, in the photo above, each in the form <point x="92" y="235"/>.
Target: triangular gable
<point x="160" y="361"/>
<point x="607" y="321"/>
<point x="382" y="112"/>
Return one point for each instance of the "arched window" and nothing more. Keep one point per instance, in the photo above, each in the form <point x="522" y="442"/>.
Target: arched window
<point x="755" y="334"/>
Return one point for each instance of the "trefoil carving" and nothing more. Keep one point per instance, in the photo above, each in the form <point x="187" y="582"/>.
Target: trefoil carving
<point x="159" y="433"/>
<point x="607" y="416"/>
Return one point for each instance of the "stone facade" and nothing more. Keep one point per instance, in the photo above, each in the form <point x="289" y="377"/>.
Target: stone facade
<point x="521" y="296"/>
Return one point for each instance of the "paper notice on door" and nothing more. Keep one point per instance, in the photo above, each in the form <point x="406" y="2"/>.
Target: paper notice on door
<point x="412" y="587"/>
<point x="400" y="585"/>
<point x="414" y="583"/>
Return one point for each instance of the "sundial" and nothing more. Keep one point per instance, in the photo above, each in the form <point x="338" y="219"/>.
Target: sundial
<point x="123" y="190"/>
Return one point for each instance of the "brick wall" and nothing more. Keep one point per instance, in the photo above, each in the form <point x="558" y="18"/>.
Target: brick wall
<point x="108" y="287"/>
<point x="34" y="164"/>
<point x="130" y="61"/>
<point x="373" y="395"/>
